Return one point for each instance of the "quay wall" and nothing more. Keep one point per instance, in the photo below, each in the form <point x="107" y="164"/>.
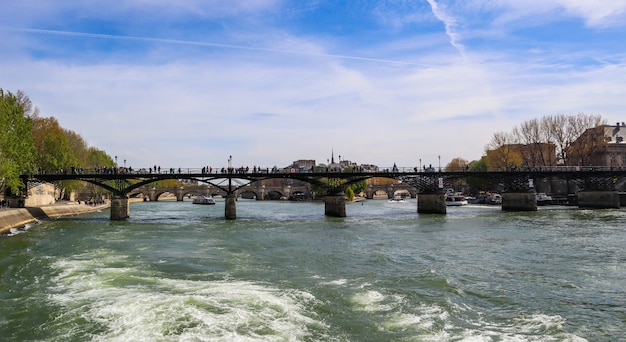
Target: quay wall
<point x="18" y="217"/>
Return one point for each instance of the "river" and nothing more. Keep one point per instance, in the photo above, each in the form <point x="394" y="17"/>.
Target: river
<point x="284" y="272"/>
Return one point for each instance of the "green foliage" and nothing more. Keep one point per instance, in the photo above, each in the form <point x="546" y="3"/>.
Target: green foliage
<point x="359" y="187"/>
<point x="349" y="193"/>
<point x="16" y="142"/>
<point x="95" y="158"/>
<point x="478" y="183"/>
<point x="29" y="142"/>
<point x="53" y="146"/>
<point x="350" y="190"/>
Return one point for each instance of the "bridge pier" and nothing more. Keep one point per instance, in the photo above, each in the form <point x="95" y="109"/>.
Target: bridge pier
<point x="598" y="199"/>
<point x="152" y="195"/>
<point x="431" y="204"/>
<point x="230" y="209"/>
<point x="120" y="208"/>
<point x="519" y="201"/>
<point x="180" y="194"/>
<point x="335" y="205"/>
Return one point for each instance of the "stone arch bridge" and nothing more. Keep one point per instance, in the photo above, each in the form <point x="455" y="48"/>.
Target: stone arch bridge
<point x="254" y="190"/>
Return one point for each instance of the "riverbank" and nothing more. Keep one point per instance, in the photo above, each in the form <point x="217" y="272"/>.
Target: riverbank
<point x="18" y="217"/>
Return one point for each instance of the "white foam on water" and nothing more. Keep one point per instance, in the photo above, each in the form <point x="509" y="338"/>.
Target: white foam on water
<point x="23" y="229"/>
<point x="104" y="301"/>
<point x="435" y="323"/>
<point x="336" y="282"/>
<point x="375" y="301"/>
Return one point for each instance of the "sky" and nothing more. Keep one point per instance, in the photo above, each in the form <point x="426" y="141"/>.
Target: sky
<point x="189" y="83"/>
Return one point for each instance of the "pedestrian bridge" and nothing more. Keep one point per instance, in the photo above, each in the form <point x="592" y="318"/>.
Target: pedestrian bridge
<point x="596" y="187"/>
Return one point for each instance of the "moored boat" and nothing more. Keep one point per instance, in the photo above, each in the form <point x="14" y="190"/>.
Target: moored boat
<point x="203" y="200"/>
<point x="455" y="200"/>
<point x="397" y="198"/>
<point x="494" y="199"/>
<point x="543" y="199"/>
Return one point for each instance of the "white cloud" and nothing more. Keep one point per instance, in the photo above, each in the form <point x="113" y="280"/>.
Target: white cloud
<point x="271" y="96"/>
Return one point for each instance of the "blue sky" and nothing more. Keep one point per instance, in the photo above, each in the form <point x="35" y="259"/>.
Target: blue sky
<point x="187" y="83"/>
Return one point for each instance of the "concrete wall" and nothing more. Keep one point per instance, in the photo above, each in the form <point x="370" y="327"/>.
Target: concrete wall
<point x="18" y="217"/>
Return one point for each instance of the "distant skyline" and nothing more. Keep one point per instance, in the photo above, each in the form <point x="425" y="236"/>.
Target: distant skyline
<point x="189" y="83"/>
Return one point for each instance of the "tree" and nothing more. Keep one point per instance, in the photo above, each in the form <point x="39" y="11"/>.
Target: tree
<point x="501" y="153"/>
<point x="78" y="147"/>
<point x="54" y="152"/>
<point x="583" y="149"/>
<point x="16" y="142"/>
<point x="564" y="130"/>
<point x="478" y="183"/>
<point x="457" y="164"/>
<point x="544" y="142"/>
<point x="95" y="158"/>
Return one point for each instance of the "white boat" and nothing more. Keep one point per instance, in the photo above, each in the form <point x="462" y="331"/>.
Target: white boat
<point x="397" y="198"/>
<point x="203" y="200"/>
<point x="543" y="199"/>
<point x="455" y="200"/>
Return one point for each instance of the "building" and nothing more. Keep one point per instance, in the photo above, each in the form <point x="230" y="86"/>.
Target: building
<point x="599" y="146"/>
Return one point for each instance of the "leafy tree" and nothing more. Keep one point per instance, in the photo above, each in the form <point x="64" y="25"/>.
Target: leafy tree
<point x="54" y="151"/>
<point x="16" y="143"/>
<point x="457" y="164"/>
<point x="501" y="154"/>
<point x="349" y="193"/>
<point x="78" y="147"/>
<point x="476" y="183"/>
<point x="96" y="158"/>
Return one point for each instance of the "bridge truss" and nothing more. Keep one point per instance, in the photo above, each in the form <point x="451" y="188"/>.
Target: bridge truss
<point x="120" y="184"/>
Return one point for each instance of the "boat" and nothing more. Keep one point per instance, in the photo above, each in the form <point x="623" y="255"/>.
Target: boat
<point x="203" y="200"/>
<point x="397" y="198"/>
<point x="543" y="199"/>
<point x="494" y="199"/>
<point x="455" y="200"/>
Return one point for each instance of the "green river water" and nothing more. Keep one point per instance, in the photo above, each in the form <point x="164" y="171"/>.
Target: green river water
<point x="284" y="272"/>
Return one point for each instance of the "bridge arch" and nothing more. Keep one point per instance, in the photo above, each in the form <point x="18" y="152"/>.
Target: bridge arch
<point x="274" y="195"/>
<point x="248" y="194"/>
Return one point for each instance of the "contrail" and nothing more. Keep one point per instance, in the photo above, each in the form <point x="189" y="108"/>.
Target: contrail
<point x="449" y="24"/>
<point x="215" y="45"/>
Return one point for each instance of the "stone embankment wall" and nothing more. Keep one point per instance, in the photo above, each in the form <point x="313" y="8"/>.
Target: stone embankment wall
<point x="43" y="194"/>
<point x="18" y="217"/>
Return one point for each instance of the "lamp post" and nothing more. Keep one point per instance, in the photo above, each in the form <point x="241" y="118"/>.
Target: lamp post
<point x="439" y="157"/>
<point x="420" y="169"/>
<point x="115" y="161"/>
<point x="124" y="163"/>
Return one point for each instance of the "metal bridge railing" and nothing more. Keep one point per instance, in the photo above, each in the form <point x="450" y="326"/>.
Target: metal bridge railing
<point x="274" y="170"/>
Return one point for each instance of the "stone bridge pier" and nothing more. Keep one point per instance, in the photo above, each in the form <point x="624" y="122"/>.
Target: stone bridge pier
<point x="519" y="201"/>
<point x="120" y="208"/>
<point x="431" y="203"/>
<point x="230" y="207"/>
<point x="335" y="204"/>
<point x="598" y="199"/>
